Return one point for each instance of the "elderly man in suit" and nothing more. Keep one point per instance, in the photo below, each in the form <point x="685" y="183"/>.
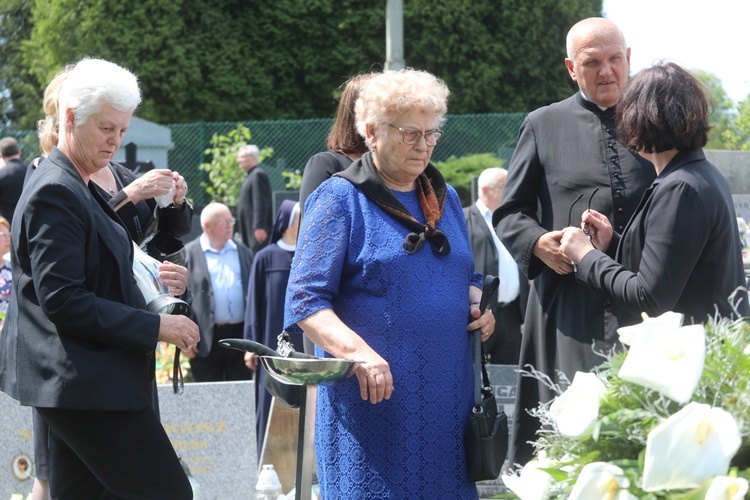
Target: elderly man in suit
<point x="491" y="257"/>
<point x="255" y="205"/>
<point x="219" y="275"/>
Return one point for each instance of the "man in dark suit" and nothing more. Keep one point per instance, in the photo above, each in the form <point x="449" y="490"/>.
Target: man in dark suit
<point x="255" y="206"/>
<point x="219" y="275"/>
<point x="11" y="176"/>
<point x="491" y="257"/>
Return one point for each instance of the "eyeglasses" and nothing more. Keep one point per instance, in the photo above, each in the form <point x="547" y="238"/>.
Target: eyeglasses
<point x="570" y="212"/>
<point x="226" y="223"/>
<point x="411" y="136"/>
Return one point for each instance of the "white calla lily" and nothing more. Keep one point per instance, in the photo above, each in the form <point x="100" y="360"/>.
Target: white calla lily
<point x="666" y="322"/>
<point x="575" y="411"/>
<point x="532" y="483"/>
<point x="668" y="361"/>
<point x="727" y="488"/>
<point x="601" y="480"/>
<point x="693" y="445"/>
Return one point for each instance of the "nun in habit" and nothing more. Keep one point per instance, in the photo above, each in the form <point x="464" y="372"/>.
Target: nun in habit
<point x="264" y="313"/>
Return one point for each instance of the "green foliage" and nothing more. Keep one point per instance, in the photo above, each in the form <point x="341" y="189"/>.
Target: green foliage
<point x="628" y="412"/>
<point x="497" y="56"/>
<point x="224" y="173"/>
<point x="222" y="60"/>
<point x="459" y="172"/>
<point x="737" y="135"/>
<point x="721" y="108"/>
<point x="293" y="179"/>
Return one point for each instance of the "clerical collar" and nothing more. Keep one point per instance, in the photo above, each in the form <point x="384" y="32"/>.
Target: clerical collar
<point x="603" y="108"/>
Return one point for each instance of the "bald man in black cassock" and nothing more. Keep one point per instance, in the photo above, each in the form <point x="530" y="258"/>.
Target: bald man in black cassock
<point x="564" y="151"/>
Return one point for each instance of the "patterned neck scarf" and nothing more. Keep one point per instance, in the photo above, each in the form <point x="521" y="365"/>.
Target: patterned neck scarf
<point x="431" y="189"/>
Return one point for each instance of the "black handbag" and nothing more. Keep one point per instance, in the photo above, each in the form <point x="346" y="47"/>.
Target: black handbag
<point x="486" y="439"/>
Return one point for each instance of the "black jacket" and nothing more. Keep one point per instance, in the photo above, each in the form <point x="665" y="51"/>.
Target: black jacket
<point x="77" y="334"/>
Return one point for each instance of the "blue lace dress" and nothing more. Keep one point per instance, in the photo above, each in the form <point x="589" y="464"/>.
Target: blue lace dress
<point x="413" y="311"/>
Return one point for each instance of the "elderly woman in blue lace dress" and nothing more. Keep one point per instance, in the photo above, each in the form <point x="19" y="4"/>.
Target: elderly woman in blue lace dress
<point x="384" y="275"/>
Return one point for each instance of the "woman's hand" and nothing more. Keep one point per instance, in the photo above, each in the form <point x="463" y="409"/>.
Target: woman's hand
<point x="483" y="322"/>
<point x="155" y="182"/>
<point x="174" y="277"/>
<point x="327" y="330"/>
<point x="180" y="189"/>
<point x="575" y="244"/>
<point x="180" y="331"/>
<point x="374" y="375"/>
<point x="598" y="227"/>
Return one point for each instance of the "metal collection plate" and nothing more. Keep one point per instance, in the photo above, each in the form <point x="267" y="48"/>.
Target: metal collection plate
<point x="308" y="371"/>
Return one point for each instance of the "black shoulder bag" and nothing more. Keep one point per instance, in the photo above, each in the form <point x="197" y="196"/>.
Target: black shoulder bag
<point x="486" y="439"/>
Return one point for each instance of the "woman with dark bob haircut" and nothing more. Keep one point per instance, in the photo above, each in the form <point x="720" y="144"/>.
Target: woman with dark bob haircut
<point x="681" y="250"/>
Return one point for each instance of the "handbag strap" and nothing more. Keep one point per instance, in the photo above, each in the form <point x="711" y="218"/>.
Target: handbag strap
<point x="480" y="371"/>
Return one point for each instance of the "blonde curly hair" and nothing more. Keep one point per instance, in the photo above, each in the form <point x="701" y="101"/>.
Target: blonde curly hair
<point x="392" y="93"/>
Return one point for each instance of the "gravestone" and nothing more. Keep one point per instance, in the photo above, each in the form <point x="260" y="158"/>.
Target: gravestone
<point x="742" y="205"/>
<point x="16" y="448"/>
<point x="211" y="426"/>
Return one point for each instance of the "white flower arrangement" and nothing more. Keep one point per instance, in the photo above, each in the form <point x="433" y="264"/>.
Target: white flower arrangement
<point x="668" y="419"/>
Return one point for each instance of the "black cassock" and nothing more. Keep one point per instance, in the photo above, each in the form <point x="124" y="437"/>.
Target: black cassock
<point x="564" y="150"/>
<point x="264" y="318"/>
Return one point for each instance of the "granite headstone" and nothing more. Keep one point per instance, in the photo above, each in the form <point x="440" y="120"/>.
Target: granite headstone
<point x="211" y="426"/>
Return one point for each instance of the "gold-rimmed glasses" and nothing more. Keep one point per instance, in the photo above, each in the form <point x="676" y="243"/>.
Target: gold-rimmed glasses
<point x="411" y="136"/>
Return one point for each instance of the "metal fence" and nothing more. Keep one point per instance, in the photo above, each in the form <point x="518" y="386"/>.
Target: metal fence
<point x="295" y="141"/>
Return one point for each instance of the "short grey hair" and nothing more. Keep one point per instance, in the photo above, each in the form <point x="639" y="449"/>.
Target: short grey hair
<point x="391" y="93"/>
<point x="210" y="210"/>
<point x="488" y="177"/>
<point x="91" y="84"/>
<point x="249" y="150"/>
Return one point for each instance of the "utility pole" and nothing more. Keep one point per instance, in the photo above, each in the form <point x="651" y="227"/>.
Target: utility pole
<point x="394" y="35"/>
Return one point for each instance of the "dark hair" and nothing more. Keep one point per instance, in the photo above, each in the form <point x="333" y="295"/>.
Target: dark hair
<point x="344" y="136"/>
<point x="9" y="146"/>
<point x="661" y="108"/>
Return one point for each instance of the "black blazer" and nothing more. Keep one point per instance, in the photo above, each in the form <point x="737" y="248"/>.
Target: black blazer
<point x="485" y="252"/>
<point x="199" y="284"/>
<point x="680" y="252"/>
<point x="76" y="335"/>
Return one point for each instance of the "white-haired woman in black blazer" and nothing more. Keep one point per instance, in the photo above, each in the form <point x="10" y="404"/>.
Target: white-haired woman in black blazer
<point x="78" y="339"/>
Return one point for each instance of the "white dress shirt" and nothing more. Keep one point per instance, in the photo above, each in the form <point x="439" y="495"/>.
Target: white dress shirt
<point x="226" y="283"/>
<point x="507" y="268"/>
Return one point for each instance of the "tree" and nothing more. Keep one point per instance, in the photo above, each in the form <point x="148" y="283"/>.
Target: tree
<point x="232" y="60"/>
<point x="737" y="135"/>
<point x="496" y="56"/>
<point x="22" y="90"/>
<point x="721" y="108"/>
<point x="224" y="173"/>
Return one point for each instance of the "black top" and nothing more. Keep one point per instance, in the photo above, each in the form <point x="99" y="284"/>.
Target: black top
<point x="320" y="166"/>
<point x="11" y="185"/>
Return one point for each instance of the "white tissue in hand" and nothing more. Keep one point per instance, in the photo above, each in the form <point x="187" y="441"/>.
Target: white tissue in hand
<point x="165" y="200"/>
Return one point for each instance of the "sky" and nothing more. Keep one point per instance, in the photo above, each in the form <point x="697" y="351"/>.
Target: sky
<point x="697" y="34"/>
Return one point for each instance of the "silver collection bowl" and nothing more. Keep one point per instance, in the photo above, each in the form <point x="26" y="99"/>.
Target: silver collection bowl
<point x="297" y="371"/>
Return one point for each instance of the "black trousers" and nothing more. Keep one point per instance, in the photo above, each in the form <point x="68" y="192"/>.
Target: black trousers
<point x="504" y="346"/>
<point x="222" y="364"/>
<point x="112" y="454"/>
